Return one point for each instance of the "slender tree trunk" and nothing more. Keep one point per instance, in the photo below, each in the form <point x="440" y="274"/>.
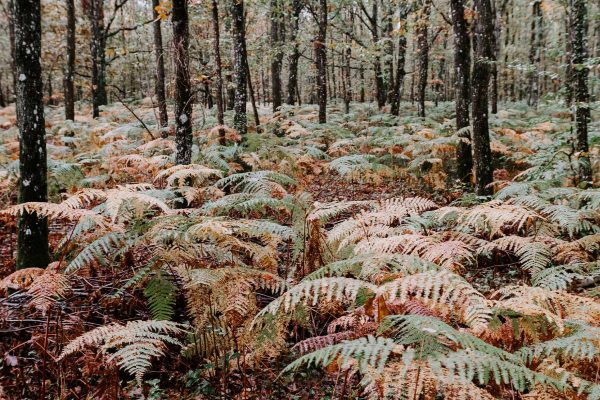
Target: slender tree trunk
<point x="11" y="39"/>
<point x="535" y="53"/>
<point x="183" y="92"/>
<point x="388" y="18"/>
<point x="421" y="31"/>
<point x="494" y="62"/>
<point x="98" y="52"/>
<point x="462" y="71"/>
<point x="321" y="61"/>
<point x="379" y="83"/>
<point x="295" y="56"/>
<point x="240" y="79"/>
<point x="482" y="154"/>
<point x="569" y="56"/>
<point x="159" y="83"/>
<point x="277" y="61"/>
<point x="218" y="73"/>
<point x="32" y="243"/>
<point x="579" y="55"/>
<point x="252" y="99"/>
<point x="401" y="62"/>
<point x="69" y="77"/>
<point x="361" y="73"/>
<point x="230" y="91"/>
<point x="347" y="80"/>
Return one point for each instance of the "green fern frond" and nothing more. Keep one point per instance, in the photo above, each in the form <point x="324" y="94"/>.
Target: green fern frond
<point x="367" y="351"/>
<point x="160" y="293"/>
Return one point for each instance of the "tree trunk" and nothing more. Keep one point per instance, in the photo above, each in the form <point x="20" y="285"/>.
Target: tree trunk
<point x="218" y="73"/>
<point x="400" y="72"/>
<point x="321" y="61"/>
<point x="462" y="71"/>
<point x="379" y="83"/>
<point x="32" y="244"/>
<point x="579" y="55"/>
<point x="390" y="83"/>
<point x="569" y="57"/>
<point x="11" y="39"/>
<point x="361" y="73"/>
<point x="240" y="79"/>
<point x="295" y="56"/>
<point x="252" y="99"/>
<point x="535" y="51"/>
<point x="230" y="91"/>
<point x="482" y="154"/>
<point x="277" y="61"/>
<point x="183" y="93"/>
<point x="98" y="53"/>
<point x="494" y="64"/>
<point x="421" y="31"/>
<point x="159" y="83"/>
<point x="347" y="80"/>
<point x="69" y="77"/>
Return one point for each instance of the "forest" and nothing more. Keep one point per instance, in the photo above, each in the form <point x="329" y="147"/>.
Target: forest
<point x="300" y="199"/>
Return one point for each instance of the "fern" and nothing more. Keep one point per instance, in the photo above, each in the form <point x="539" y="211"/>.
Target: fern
<point x="534" y="256"/>
<point x="368" y="352"/>
<point x="136" y="343"/>
<point x="581" y="343"/>
<point x="160" y="293"/>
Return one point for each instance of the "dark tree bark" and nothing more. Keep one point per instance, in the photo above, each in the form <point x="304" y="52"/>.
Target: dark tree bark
<point x="295" y="56"/>
<point x="277" y="61"/>
<point x="218" y="73"/>
<point x="159" y="82"/>
<point x="230" y="91"/>
<point x="388" y="29"/>
<point x="462" y="71"/>
<point x="347" y="80"/>
<point x="32" y="243"/>
<point x="421" y="31"/>
<point x="98" y="52"/>
<point x="579" y="55"/>
<point x="240" y="78"/>
<point x="183" y="92"/>
<point x="535" y="52"/>
<point x="400" y="72"/>
<point x="379" y="83"/>
<point x="321" y="60"/>
<point x="361" y="72"/>
<point x="252" y="99"/>
<point x="69" y="77"/>
<point x="480" y="136"/>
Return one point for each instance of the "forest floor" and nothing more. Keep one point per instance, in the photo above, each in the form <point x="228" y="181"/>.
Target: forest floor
<point x="365" y="169"/>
